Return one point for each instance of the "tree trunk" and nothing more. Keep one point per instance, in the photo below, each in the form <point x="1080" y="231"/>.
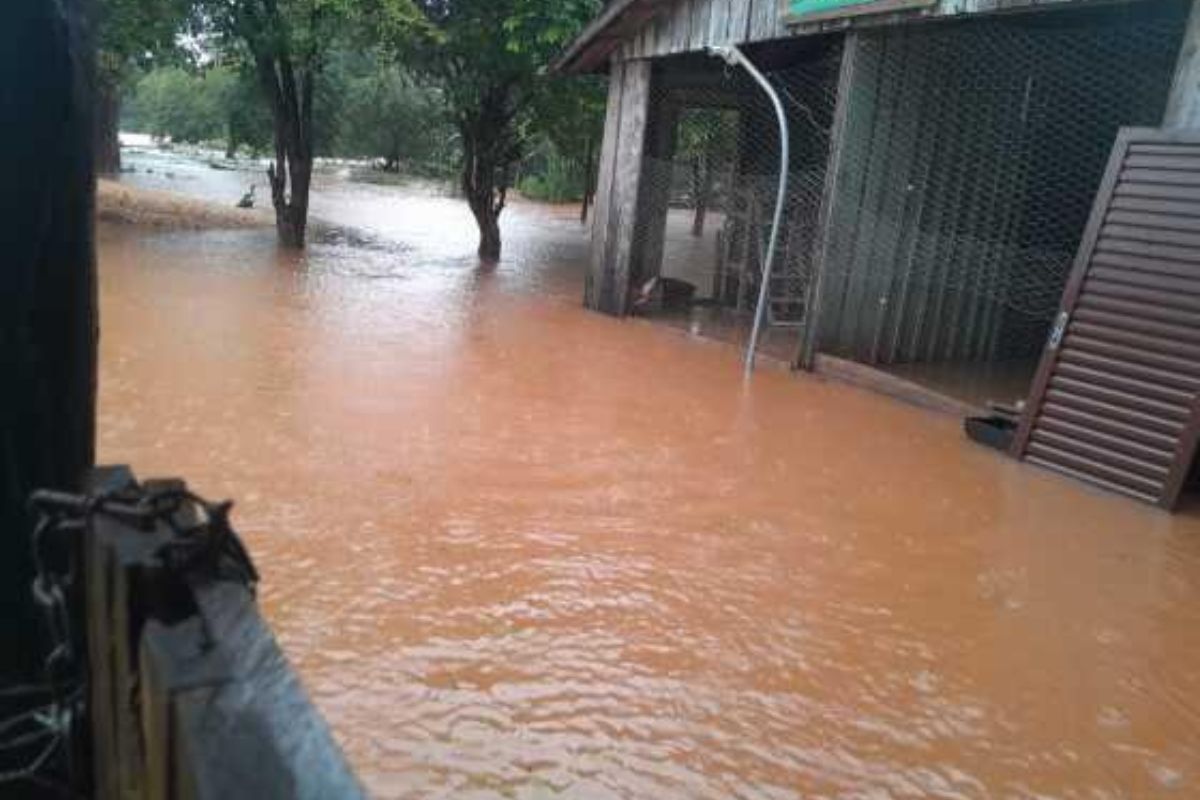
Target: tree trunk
<point x="106" y="141"/>
<point x="489" y="238"/>
<point x="290" y="176"/>
<point x="47" y="287"/>
<point x="489" y="150"/>
<point x="231" y="140"/>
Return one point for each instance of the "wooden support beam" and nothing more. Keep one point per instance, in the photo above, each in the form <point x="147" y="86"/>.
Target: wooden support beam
<point x="615" y="220"/>
<point x="822" y="242"/>
<point x="1183" y="102"/>
<point x="191" y="697"/>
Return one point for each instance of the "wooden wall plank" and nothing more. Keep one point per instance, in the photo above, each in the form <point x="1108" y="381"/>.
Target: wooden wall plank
<point x="739" y="21"/>
<point x="701" y="12"/>
<point x="718" y="22"/>
<point x="635" y="97"/>
<point x="681" y="23"/>
<point x="834" y="171"/>
<point x="763" y="18"/>
<point x="662" y="28"/>
<point x="602" y="212"/>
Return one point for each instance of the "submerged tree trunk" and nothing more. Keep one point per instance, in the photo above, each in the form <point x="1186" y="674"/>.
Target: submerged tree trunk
<point x="290" y="176"/>
<point x="47" y="288"/>
<point x="106" y="142"/>
<point x="231" y="140"/>
<point x="489" y="150"/>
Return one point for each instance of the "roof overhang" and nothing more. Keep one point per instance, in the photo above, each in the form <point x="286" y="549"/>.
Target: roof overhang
<point x="589" y="51"/>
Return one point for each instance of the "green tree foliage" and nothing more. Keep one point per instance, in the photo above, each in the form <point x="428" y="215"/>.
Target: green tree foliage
<point x="219" y="103"/>
<point x="567" y="123"/>
<point x="130" y="34"/>
<point x="487" y="57"/>
<point x="387" y="114"/>
<point x="287" y="43"/>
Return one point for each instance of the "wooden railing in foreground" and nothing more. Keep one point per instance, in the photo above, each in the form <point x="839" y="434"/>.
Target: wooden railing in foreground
<point x="190" y="694"/>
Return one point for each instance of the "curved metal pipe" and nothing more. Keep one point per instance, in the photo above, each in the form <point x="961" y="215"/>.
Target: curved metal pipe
<point x="735" y="57"/>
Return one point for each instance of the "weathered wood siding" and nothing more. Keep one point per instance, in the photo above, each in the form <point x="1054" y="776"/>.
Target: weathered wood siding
<point x="607" y="287"/>
<point x="683" y="26"/>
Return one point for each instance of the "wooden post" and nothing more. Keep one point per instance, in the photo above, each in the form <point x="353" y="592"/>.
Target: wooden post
<point x="615" y="211"/>
<point x="47" y="286"/>
<point x="192" y="699"/>
<point x="822" y="242"/>
<point x="602" y="202"/>
<point x="653" y="205"/>
<point x="1183" y="103"/>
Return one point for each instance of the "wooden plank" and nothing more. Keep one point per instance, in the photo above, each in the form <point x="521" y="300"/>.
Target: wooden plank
<point x="1183" y="100"/>
<point x="718" y="22"/>
<point x="635" y="98"/>
<point x="739" y="21"/>
<point x="241" y="724"/>
<point x="701" y="12"/>
<point x="763" y="15"/>
<point x="602" y="230"/>
<point x="681" y="25"/>
<point x="823" y="241"/>
<point x="662" y="33"/>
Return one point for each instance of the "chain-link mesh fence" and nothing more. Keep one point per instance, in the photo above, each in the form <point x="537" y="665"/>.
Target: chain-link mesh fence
<point x="708" y="192"/>
<point x="961" y="183"/>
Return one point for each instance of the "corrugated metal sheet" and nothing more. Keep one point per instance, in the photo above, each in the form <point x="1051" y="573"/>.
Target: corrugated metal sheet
<point x="1117" y="397"/>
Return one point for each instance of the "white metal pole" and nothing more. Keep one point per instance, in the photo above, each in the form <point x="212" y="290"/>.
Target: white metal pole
<point x="732" y="55"/>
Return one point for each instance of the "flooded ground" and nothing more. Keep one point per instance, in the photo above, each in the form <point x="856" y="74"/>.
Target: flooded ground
<point x="521" y="550"/>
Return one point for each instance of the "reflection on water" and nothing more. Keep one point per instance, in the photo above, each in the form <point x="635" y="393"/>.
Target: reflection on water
<point x="517" y="549"/>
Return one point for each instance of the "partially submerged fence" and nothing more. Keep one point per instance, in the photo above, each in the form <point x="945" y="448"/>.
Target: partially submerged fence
<point x="940" y="179"/>
<point x="159" y="644"/>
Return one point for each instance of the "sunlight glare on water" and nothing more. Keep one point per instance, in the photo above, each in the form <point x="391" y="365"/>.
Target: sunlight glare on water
<point x="517" y="549"/>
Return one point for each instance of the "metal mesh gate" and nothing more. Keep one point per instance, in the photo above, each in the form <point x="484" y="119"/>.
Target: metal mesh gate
<point x="967" y="161"/>
<point x="970" y="159"/>
<point x="708" y="189"/>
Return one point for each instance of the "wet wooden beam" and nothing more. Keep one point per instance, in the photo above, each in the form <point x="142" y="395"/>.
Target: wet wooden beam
<point x="47" y="287"/>
<point x="192" y="699"/>
<point x="1183" y="103"/>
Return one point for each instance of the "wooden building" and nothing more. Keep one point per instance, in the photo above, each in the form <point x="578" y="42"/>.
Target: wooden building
<point x="947" y="184"/>
<point x="946" y="154"/>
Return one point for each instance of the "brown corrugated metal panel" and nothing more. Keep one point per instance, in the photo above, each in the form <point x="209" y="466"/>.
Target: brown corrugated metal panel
<point x="1116" y="401"/>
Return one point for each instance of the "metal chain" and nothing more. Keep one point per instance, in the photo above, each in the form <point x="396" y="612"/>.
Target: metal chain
<point x="202" y="543"/>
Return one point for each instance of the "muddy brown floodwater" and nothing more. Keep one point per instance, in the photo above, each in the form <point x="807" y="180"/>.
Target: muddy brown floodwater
<point x="517" y="549"/>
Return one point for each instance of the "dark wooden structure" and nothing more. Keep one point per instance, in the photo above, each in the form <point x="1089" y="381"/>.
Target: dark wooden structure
<point x="47" y="287"/>
<point x="966" y="143"/>
<point x="191" y="697"/>
<point x="1116" y="401"/>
